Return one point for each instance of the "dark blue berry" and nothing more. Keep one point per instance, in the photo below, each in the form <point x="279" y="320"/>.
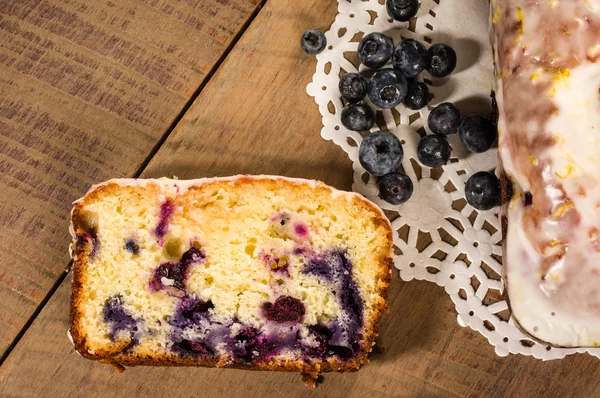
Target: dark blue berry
<point x="313" y="41"/>
<point x="417" y="96"/>
<point x="410" y="57"/>
<point x="477" y="133"/>
<point x="335" y="267"/>
<point x="375" y="50"/>
<point x="353" y="87"/>
<point x="395" y="188"/>
<point x="247" y="340"/>
<point x="119" y="319"/>
<point x="358" y="117"/>
<point x="483" y="190"/>
<point x="167" y="208"/>
<point x="322" y="266"/>
<point x="284" y="309"/>
<point x="268" y="347"/>
<point x="528" y="201"/>
<point x="433" y="151"/>
<point x="193" y="255"/>
<point x="175" y="272"/>
<point x="442" y="60"/>
<point x="380" y="153"/>
<point x="387" y="88"/>
<point x="132" y="247"/>
<point x="444" y="119"/>
<point x="321" y="335"/>
<point x="193" y="309"/>
<point x="402" y="10"/>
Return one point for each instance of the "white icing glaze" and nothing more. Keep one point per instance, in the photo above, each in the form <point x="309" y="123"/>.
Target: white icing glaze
<point x="70" y="337"/>
<point x="560" y="304"/>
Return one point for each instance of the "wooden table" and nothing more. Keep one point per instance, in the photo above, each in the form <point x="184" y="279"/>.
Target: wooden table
<point x="94" y="89"/>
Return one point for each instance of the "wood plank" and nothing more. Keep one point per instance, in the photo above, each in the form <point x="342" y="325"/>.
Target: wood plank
<point x="87" y="89"/>
<point x="255" y="117"/>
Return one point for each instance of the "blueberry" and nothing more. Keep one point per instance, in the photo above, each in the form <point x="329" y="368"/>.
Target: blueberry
<point x="193" y="255"/>
<point x="506" y="188"/>
<point x="167" y="208"/>
<point x="174" y="273"/>
<point x="417" y="96"/>
<point x="444" y="119"/>
<point x="433" y="151"/>
<point x="387" y="88"/>
<point x="267" y="348"/>
<point x="477" y="133"/>
<point x="191" y="312"/>
<point x="483" y="190"/>
<point x="395" y="188"/>
<point x="402" y="10"/>
<point x="325" y="266"/>
<point x="375" y="49"/>
<point x="358" y="117"/>
<point x="247" y="340"/>
<point x="442" y="60"/>
<point x="119" y="319"/>
<point x="132" y="247"/>
<point x="353" y="87"/>
<point x="528" y="201"/>
<point x="321" y="335"/>
<point x="313" y="41"/>
<point x="410" y="57"/>
<point x="284" y="309"/>
<point x="380" y="153"/>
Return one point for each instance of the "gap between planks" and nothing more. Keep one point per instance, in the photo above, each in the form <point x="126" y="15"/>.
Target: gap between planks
<point x="142" y="167"/>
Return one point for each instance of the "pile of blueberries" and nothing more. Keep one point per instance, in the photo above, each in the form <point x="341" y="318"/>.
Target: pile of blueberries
<point x="381" y="152"/>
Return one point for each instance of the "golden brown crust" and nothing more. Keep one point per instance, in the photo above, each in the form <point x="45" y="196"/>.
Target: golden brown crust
<point x="113" y="355"/>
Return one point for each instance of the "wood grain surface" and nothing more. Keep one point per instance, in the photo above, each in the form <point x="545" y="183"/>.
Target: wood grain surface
<point x="254" y="117"/>
<point x="87" y="89"/>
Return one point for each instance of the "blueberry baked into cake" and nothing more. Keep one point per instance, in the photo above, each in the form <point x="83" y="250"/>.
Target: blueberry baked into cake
<point x="249" y="272"/>
<point x="547" y="58"/>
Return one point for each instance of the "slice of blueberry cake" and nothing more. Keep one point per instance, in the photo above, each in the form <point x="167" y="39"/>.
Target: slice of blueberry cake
<point x="249" y="272"/>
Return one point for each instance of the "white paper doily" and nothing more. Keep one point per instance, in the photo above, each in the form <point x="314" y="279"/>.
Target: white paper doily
<point x="459" y="248"/>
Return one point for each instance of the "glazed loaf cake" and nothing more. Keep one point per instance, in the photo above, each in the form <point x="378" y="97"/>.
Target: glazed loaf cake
<point x="250" y="272"/>
<point x="548" y="81"/>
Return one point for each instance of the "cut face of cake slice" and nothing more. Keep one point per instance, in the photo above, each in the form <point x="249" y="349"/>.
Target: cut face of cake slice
<point x="252" y="272"/>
